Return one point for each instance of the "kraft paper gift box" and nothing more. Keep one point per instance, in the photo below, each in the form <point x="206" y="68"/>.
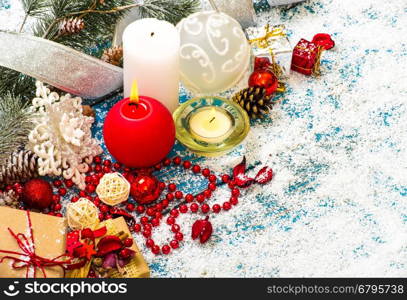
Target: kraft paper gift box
<point x="49" y="239"/>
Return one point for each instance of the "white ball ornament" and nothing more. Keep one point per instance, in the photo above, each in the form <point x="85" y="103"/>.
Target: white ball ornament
<point x="214" y="52"/>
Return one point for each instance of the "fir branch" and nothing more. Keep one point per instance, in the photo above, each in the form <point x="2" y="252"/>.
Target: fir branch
<point x="15" y="125"/>
<point x="169" y="10"/>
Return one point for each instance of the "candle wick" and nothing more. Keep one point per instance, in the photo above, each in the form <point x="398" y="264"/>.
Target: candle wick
<point x="152" y="34"/>
<point x="134" y="103"/>
<point x="213" y="119"/>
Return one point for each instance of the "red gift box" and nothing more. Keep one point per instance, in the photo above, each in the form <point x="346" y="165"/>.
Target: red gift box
<point x="306" y="57"/>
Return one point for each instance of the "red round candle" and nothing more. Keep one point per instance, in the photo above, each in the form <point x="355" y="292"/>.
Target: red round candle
<point x="139" y="135"/>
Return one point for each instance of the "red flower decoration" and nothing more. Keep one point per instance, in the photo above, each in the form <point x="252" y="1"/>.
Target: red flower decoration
<point x="202" y="229"/>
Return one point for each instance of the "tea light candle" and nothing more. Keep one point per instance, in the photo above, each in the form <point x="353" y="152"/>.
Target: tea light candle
<point x="211" y="125"/>
<point x="151" y="56"/>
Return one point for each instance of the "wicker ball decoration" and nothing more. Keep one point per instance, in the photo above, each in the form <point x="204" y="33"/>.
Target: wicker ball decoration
<point x="113" y="189"/>
<point x="82" y="214"/>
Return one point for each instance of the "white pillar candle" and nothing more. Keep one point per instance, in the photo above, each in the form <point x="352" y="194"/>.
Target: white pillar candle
<point x="211" y="125"/>
<point x="151" y="56"/>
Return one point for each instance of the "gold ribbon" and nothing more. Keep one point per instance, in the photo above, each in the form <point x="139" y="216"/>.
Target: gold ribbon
<point x="264" y="42"/>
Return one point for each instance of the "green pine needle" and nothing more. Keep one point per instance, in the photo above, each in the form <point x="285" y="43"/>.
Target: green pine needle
<point x="15" y="125"/>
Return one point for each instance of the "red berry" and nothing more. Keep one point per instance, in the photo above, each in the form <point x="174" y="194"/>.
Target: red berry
<point x="212" y="178"/>
<point x="206" y="172"/>
<point x="108" y="216"/>
<point x="158" y="215"/>
<point x="225" y="178"/>
<point x="179" y="195"/>
<point x="62" y="191"/>
<point x="117" y="166"/>
<point x="207" y="193"/>
<point x="179" y="236"/>
<point x="187" y="164"/>
<point x="98" y="168"/>
<point x="205" y="208"/>
<point x="236" y="192"/>
<point x="144" y="220"/>
<point x="96" y="201"/>
<point x="155" y="222"/>
<point x="165" y="203"/>
<point x="130" y="207"/>
<point x="56" y="198"/>
<point x="128" y="242"/>
<point x="127" y="170"/>
<point x="19" y="191"/>
<point x="125" y="253"/>
<point x="212" y="186"/>
<point x="74" y="199"/>
<point x="174" y="212"/>
<point x="174" y="244"/>
<point x="196" y="169"/>
<point x="166" y="249"/>
<point x="58" y="215"/>
<point x="183" y="208"/>
<point x="146" y="233"/>
<point x="158" y="207"/>
<point x="95" y="179"/>
<point x="194" y="207"/>
<point x="106" y="169"/>
<point x="189" y="198"/>
<point x="150" y="243"/>
<point x="200" y="198"/>
<point x="231" y="184"/>
<point x="57" y="183"/>
<point x="175" y="228"/>
<point x="97" y="159"/>
<point x="88" y="179"/>
<point x="158" y="167"/>
<point x="167" y="162"/>
<point x="177" y="160"/>
<point x="172" y="187"/>
<point x="216" y="208"/>
<point x="90" y="188"/>
<point x="169" y="197"/>
<point x="140" y="209"/>
<point x="170" y="220"/>
<point x="51" y="213"/>
<point x="107" y="163"/>
<point x="233" y="200"/>
<point x="226" y="206"/>
<point x="155" y="249"/>
<point x="147" y="226"/>
<point x="9" y="188"/>
<point x="137" y="227"/>
<point x="57" y="207"/>
<point x="104" y="208"/>
<point x="161" y="185"/>
<point x="82" y="194"/>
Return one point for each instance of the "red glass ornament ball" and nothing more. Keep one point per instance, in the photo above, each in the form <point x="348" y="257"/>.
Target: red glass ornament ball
<point x="145" y="189"/>
<point x="37" y="193"/>
<point x="264" y="78"/>
<point x="139" y="139"/>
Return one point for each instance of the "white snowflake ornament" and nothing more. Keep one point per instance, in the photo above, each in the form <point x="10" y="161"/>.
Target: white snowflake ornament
<point x="62" y="136"/>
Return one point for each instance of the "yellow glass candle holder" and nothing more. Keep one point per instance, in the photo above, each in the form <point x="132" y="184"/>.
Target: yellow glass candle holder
<point x="210" y="126"/>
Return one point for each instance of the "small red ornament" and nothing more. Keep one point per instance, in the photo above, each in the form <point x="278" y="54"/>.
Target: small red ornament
<point x="37" y="193"/>
<point x="264" y="78"/>
<point x="261" y="63"/>
<point x="145" y="189"/>
<point x="202" y="229"/>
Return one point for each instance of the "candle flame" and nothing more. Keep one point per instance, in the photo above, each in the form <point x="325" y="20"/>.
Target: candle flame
<point x="134" y="97"/>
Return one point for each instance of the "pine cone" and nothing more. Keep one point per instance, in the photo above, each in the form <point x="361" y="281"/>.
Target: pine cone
<point x="9" y="199"/>
<point x="71" y="26"/>
<point x="21" y="165"/>
<point x="254" y="101"/>
<point x="113" y="55"/>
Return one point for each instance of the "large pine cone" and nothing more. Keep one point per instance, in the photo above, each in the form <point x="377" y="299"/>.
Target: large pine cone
<point x="254" y="101"/>
<point x="20" y="166"/>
